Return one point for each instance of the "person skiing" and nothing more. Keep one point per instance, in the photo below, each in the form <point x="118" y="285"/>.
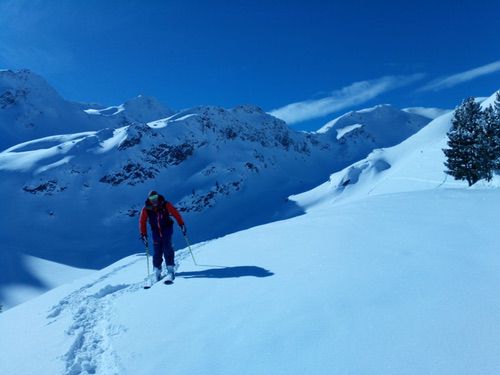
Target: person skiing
<point x="159" y="212"/>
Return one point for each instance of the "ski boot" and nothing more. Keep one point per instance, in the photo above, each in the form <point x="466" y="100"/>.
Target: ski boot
<point x="169" y="278"/>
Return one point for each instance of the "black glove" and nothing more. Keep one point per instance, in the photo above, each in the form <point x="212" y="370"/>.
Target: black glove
<point x="144" y="238"/>
<point x="183" y="229"/>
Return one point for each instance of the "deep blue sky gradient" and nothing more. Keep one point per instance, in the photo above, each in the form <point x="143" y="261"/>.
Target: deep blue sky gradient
<point x="268" y="53"/>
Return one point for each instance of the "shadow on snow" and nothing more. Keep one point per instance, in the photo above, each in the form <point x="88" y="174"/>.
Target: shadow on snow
<point x="227" y="272"/>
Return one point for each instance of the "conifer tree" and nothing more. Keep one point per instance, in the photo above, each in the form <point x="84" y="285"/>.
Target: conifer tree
<point x="488" y="144"/>
<point x="464" y="159"/>
<point x="496" y="133"/>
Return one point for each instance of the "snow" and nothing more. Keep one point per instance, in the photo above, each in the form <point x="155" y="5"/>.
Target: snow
<point x="119" y="135"/>
<point x="27" y="155"/>
<point x="108" y="111"/>
<point x="159" y="124"/>
<point x="47" y="141"/>
<point x="343" y="131"/>
<point x="431" y="113"/>
<point x="50" y="274"/>
<point x="56" y="164"/>
<point x="392" y="284"/>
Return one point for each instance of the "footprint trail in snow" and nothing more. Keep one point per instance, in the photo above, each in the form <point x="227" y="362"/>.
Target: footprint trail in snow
<point x="89" y="306"/>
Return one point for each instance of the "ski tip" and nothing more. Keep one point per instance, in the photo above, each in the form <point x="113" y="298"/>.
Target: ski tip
<point x="147" y="287"/>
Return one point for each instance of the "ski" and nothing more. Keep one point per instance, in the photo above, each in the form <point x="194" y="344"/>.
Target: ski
<point x="151" y="283"/>
<point x="168" y="282"/>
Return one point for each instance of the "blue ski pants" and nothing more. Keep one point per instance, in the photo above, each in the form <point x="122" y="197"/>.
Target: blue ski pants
<point x="162" y="245"/>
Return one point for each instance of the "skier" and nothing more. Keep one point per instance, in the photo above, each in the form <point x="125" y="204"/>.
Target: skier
<point x="158" y="212"/>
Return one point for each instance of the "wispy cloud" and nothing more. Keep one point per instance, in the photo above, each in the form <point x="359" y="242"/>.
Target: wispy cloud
<point x="456" y="79"/>
<point x="354" y="94"/>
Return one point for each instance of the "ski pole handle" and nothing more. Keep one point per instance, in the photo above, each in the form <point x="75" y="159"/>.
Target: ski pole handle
<point x="144" y="239"/>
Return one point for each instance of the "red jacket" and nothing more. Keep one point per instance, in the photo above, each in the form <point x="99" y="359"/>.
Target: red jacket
<point x="152" y="212"/>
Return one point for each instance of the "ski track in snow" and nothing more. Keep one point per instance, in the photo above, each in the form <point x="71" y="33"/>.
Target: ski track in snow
<point x="91" y="351"/>
<point x="91" y="325"/>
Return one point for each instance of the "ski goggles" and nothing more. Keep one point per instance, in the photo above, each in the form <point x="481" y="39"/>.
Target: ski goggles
<point x="153" y="198"/>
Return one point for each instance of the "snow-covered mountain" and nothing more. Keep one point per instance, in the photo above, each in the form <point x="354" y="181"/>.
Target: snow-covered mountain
<point x="30" y="108"/>
<point x="359" y="132"/>
<point x="415" y="164"/>
<point x="225" y="169"/>
<point x="391" y="269"/>
<point x="141" y="109"/>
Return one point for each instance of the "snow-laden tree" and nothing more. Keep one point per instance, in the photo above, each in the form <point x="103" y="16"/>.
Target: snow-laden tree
<point x="489" y="142"/>
<point x="474" y="142"/>
<point x="465" y="157"/>
<point x="496" y="135"/>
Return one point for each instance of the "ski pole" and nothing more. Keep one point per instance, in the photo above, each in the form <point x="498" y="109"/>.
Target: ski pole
<point x="147" y="262"/>
<point x="189" y="247"/>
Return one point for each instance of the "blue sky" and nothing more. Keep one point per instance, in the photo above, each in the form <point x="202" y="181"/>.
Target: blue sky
<point x="306" y="61"/>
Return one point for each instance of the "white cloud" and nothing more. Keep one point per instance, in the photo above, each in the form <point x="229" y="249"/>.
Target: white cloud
<point x="356" y="93"/>
<point x="456" y="79"/>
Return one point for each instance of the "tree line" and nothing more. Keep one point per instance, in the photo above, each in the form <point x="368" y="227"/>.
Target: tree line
<point x="474" y="142"/>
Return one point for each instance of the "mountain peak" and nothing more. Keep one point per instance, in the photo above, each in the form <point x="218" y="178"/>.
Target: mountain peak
<point x="141" y="109"/>
<point x="248" y="108"/>
<point x="375" y="117"/>
<point x="24" y="83"/>
<point x="146" y="108"/>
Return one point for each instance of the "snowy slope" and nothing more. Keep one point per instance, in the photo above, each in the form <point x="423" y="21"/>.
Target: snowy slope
<point x="41" y="275"/>
<point x="392" y="284"/>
